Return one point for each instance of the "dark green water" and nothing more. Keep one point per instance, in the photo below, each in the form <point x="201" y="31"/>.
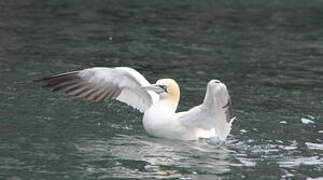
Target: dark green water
<point x="269" y="53"/>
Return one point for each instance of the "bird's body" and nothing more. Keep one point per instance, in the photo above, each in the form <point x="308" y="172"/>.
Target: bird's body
<point x="161" y="122"/>
<point x="158" y="102"/>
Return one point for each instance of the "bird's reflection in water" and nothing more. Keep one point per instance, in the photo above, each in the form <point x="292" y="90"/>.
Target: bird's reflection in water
<point x="128" y="157"/>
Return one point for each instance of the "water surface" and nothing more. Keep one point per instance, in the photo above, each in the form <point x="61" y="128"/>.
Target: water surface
<point x="269" y="53"/>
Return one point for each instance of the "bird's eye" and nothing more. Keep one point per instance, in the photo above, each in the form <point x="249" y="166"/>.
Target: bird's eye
<point x="164" y="87"/>
<point x="216" y="81"/>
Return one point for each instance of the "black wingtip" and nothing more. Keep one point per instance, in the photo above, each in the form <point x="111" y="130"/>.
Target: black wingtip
<point x="56" y="76"/>
<point x="72" y="74"/>
<point x="46" y="78"/>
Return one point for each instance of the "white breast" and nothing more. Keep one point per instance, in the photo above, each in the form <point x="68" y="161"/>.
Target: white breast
<point x="161" y="122"/>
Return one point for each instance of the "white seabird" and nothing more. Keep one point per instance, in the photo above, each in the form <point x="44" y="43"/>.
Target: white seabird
<point x="158" y="102"/>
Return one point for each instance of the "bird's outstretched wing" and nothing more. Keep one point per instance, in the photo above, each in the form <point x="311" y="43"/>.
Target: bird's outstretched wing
<point x="121" y="83"/>
<point x="214" y="113"/>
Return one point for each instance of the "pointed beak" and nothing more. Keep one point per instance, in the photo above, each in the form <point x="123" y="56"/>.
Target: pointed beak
<point x="155" y="87"/>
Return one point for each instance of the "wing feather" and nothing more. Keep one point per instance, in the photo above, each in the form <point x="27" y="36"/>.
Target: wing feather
<point x="214" y="113"/>
<point x="121" y="83"/>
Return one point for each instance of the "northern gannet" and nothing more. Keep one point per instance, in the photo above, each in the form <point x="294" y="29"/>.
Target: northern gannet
<point x="158" y="102"/>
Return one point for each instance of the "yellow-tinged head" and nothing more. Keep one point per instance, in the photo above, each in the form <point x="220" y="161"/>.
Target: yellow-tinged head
<point x="171" y="94"/>
<point x="168" y="91"/>
<point x="171" y="87"/>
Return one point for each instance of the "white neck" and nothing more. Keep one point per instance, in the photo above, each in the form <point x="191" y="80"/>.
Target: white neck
<point x="168" y="104"/>
<point x="208" y="98"/>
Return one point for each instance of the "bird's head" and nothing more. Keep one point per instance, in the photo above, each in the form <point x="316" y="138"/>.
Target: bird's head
<point x="170" y="87"/>
<point x="165" y="87"/>
<point x="168" y="91"/>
